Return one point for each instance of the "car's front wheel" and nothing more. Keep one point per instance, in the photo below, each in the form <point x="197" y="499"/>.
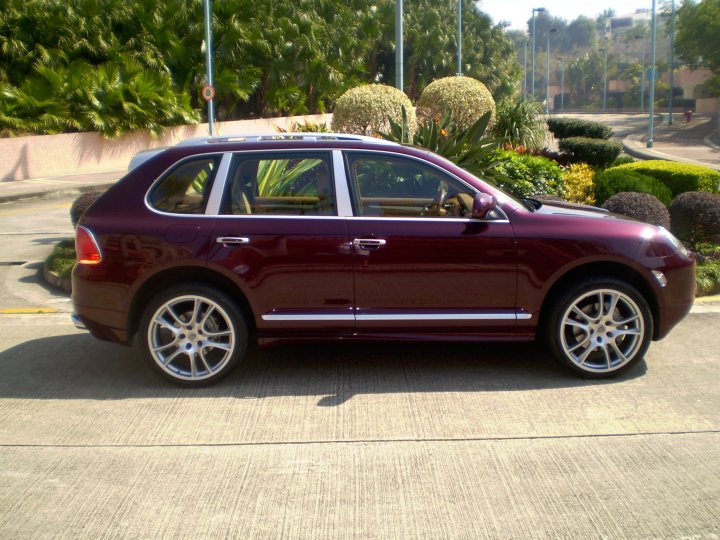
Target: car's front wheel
<point x="600" y="327"/>
<point x="193" y="334"/>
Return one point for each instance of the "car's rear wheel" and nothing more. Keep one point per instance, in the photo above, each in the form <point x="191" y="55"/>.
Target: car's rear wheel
<point x="193" y="334"/>
<point x="600" y="328"/>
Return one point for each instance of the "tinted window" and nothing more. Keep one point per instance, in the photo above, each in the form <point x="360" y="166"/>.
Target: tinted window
<point x="398" y="187"/>
<point x="186" y="188"/>
<point x="298" y="183"/>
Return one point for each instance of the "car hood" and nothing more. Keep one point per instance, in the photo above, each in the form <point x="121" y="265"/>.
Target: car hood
<point x="579" y="210"/>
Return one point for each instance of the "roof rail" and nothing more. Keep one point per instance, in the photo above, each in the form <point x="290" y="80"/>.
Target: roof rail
<point x="308" y="137"/>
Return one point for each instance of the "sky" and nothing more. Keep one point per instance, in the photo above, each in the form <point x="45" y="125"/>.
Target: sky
<point x="519" y="11"/>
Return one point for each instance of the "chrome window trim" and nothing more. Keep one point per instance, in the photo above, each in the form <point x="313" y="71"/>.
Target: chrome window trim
<point x="218" y="187"/>
<point x="427" y="163"/>
<point x="154" y="210"/>
<point x="480" y="316"/>
<point x="342" y="188"/>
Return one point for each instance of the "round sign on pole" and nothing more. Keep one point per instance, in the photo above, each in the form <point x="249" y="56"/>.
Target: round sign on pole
<point x="208" y="92"/>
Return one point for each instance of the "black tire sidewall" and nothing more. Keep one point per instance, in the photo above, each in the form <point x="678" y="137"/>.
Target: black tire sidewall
<point x="237" y="320"/>
<point x="553" y="326"/>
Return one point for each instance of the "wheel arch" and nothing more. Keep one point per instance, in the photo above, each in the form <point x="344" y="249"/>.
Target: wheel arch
<point x="602" y="269"/>
<point x="174" y="276"/>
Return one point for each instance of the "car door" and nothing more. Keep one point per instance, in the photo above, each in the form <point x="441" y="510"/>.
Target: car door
<point x="279" y="232"/>
<point x="420" y="260"/>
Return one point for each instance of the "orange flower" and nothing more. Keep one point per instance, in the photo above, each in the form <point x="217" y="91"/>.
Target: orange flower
<point x="443" y="132"/>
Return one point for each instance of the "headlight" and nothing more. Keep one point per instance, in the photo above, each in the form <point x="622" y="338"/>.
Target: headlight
<point x="674" y="241"/>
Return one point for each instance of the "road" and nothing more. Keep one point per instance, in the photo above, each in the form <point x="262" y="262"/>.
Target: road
<point x="347" y="441"/>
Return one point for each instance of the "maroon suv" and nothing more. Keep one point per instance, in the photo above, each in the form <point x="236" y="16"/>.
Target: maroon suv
<point x="327" y="237"/>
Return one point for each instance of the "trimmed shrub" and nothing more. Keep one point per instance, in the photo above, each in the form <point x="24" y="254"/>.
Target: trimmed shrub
<point x="679" y="177"/>
<point x="641" y="206"/>
<point x="519" y="122"/>
<point x="695" y="217"/>
<point x="623" y="160"/>
<point x="579" y="188"/>
<point x="529" y="175"/>
<point x="598" y="153"/>
<point x="616" y="180"/>
<point x="364" y="110"/>
<point x="465" y="99"/>
<point x="564" y="128"/>
<point x="81" y="204"/>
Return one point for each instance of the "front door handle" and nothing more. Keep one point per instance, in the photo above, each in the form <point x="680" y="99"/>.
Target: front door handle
<point x="232" y="240"/>
<point x="369" y="243"/>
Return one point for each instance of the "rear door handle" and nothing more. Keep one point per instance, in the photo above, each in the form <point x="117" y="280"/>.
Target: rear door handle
<point x="369" y="243"/>
<point x="232" y="240"/>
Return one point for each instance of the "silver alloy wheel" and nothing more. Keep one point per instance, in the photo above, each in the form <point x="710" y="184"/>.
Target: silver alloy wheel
<point x="602" y="330"/>
<point x="191" y="337"/>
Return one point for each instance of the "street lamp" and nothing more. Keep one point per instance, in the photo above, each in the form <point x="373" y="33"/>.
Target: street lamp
<point x="605" y="50"/>
<point x="524" y="92"/>
<point x="672" y="62"/>
<point x="562" y="84"/>
<point x="547" y="75"/>
<point x="642" y="79"/>
<point x="459" y="39"/>
<point x="651" y="97"/>
<point x="532" y="82"/>
<point x="399" y="44"/>
<point x="209" y="67"/>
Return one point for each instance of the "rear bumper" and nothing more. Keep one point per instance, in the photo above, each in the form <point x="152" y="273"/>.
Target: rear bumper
<point x="102" y="324"/>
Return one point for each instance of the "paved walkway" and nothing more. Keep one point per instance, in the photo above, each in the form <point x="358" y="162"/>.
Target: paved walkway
<point x="13" y="190"/>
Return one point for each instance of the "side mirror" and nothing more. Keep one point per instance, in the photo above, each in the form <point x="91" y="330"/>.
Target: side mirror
<point x="483" y="204"/>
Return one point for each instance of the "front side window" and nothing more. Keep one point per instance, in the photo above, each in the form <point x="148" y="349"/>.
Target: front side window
<point x="292" y="183"/>
<point x="186" y="188"/>
<point x="388" y="186"/>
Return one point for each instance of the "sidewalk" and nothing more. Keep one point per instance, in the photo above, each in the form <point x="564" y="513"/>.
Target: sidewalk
<point x="13" y="190"/>
<point x="684" y="142"/>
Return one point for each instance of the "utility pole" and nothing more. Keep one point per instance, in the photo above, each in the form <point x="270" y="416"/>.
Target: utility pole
<point x="399" y="44"/>
<point x="547" y="73"/>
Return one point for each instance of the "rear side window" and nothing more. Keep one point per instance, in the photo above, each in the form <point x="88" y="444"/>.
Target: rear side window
<point x="186" y="188"/>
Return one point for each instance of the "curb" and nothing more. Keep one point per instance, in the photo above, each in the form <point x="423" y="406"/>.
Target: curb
<point x="47" y="194"/>
<point x="54" y="280"/>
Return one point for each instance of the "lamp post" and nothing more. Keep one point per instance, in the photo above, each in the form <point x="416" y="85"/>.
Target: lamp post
<point x="459" y="39"/>
<point x="642" y="75"/>
<point x="524" y="87"/>
<point x="562" y="84"/>
<point x="547" y="74"/>
<point x="672" y="61"/>
<point x="209" y="67"/>
<point x="651" y="97"/>
<point x="399" y="44"/>
<point x="532" y="82"/>
<point x="605" y="50"/>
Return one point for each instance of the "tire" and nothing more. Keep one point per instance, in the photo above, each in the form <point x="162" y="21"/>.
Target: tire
<point x="193" y="334"/>
<point x="599" y="344"/>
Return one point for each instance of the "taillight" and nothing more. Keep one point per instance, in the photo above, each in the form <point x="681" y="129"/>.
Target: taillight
<point x="86" y="248"/>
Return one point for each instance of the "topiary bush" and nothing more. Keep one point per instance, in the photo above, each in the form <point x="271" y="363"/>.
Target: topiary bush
<point x="641" y="206"/>
<point x="679" y="177"/>
<point x="364" y="110"/>
<point x="465" y="99"/>
<point x="695" y="217"/>
<point x="81" y="204"/>
<point x="578" y="180"/>
<point x="564" y="128"/>
<point x="597" y="153"/>
<point x="616" y="180"/>
<point x="529" y="175"/>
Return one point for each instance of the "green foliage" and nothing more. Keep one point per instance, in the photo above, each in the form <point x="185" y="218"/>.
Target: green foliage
<point x="466" y="147"/>
<point x="598" y="153"/>
<point x="81" y="204"/>
<point x="697" y="43"/>
<point x="622" y="160"/>
<point x="564" y="128"/>
<point x="367" y="109"/>
<point x="529" y="175"/>
<point x="62" y="258"/>
<point x="519" y="122"/>
<point x="679" y="177"/>
<point x="695" y="217"/>
<point x="274" y="176"/>
<point x="304" y="127"/>
<point x="465" y="99"/>
<point x="641" y="206"/>
<point x="617" y="180"/>
<point x="707" y="277"/>
<point x="578" y="180"/>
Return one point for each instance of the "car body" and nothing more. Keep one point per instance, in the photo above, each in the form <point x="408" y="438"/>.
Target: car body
<point x="326" y="237"/>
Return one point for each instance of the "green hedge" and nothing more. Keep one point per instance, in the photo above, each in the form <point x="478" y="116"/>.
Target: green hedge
<point x="529" y="175"/>
<point x="564" y="128"/>
<point x="612" y="181"/>
<point x="597" y="153"/>
<point x="679" y="177"/>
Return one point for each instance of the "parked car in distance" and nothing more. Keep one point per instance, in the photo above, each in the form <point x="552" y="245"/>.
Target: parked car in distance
<point x="282" y="238"/>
